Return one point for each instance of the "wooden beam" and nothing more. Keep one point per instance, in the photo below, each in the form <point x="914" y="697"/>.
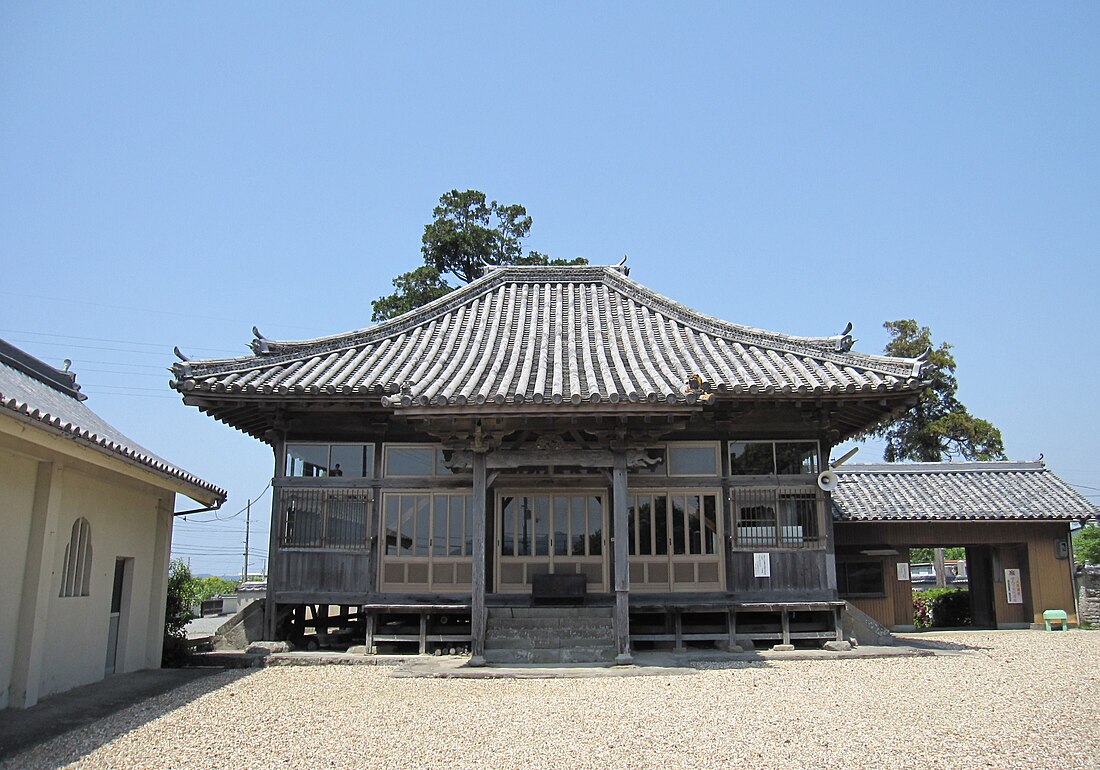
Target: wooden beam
<point x="539" y="458"/>
<point x="477" y="598"/>
<point x="622" y="565"/>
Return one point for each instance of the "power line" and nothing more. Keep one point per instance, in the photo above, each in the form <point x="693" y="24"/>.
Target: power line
<point x="134" y="395"/>
<point x="254" y="500"/>
<point x="122" y="387"/>
<point x="67" y="345"/>
<point x="162" y="373"/>
<point x="159" y="345"/>
<point x="70" y="301"/>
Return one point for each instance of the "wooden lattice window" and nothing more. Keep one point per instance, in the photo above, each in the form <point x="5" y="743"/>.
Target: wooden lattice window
<point x="76" y="571"/>
<point x="325" y="518"/>
<point x="777" y="518"/>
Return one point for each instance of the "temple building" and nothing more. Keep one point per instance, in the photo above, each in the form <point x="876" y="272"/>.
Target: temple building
<point x="563" y="448"/>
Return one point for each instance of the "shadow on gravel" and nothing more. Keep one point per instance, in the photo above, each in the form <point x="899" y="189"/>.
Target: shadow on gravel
<point x="910" y="640"/>
<point x="23" y="729"/>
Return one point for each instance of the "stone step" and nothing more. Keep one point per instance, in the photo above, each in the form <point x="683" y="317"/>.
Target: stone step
<point x="551" y="612"/>
<point x="564" y="634"/>
<point x="544" y="655"/>
<point x="495" y="642"/>
<point x="550" y="622"/>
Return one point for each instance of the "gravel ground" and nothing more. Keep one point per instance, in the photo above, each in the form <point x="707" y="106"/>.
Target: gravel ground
<point x="1008" y="700"/>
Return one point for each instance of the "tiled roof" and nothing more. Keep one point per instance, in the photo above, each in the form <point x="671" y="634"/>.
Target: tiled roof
<point x="572" y="335"/>
<point x="942" y="491"/>
<point x="50" y="398"/>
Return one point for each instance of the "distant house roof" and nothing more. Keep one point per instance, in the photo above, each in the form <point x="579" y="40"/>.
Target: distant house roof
<point x="35" y="391"/>
<point x="555" y="335"/>
<point x="956" y="491"/>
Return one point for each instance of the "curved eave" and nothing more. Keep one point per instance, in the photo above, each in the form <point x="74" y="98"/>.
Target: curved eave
<point x="388" y="398"/>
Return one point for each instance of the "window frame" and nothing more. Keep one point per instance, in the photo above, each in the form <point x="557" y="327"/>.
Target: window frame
<point x="842" y="564"/>
<point x="716" y="446"/>
<point x="369" y="462"/>
<point x="438" y="470"/>
<point x="432" y="496"/>
<point x="76" y="569"/>
<point x="775" y="458"/>
<point x="772" y="497"/>
<point x="327" y="497"/>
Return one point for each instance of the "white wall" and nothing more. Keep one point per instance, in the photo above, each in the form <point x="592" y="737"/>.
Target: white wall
<point x="17" y="477"/>
<point x="123" y="525"/>
<point x="50" y="643"/>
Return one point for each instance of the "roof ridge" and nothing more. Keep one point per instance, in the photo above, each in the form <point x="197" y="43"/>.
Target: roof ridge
<point x="820" y="345"/>
<point x="268" y="352"/>
<point x="61" y="380"/>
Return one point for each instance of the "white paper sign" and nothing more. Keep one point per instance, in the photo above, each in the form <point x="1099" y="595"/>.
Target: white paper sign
<point x="1013" y="587"/>
<point x="903" y="570"/>
<point x="762" y="565"/>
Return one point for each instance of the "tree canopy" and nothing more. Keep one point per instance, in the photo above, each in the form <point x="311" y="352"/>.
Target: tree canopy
<point x="939" y="426"/>
<point x="465" y="236"/>
<point x="1086" y="545"/>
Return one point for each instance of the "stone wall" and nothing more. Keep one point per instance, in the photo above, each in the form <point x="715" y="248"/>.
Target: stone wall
<point x="1088" y="595"/>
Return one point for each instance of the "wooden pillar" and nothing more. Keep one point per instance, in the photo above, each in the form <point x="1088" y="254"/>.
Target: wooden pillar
<point x="622" y="565"/>
<point x="477" y="594"/>
<point x="270" y="608"/>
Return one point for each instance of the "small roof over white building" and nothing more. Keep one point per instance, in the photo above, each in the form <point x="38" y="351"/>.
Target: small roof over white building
<point x="50" y="399"/>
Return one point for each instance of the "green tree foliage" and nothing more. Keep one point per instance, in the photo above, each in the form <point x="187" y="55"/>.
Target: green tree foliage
<point x="209" y="587"/>
<point x="177" y="613"/>
<point x="926" y="555"/>
<point x="465" y="236"/>
<point x="939" y="426"/>
<point x="1086" y="545"/>
<point x="414" y="289"/>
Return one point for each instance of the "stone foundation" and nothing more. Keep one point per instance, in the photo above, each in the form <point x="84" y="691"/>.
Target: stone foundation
<point x="1088" y="596"/>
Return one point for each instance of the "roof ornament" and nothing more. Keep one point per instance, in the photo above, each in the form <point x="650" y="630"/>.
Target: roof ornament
<point x="67" y="363"/>
<point x="922" y="361"/>
<point x="180" y="355"/>
<point x="260" y="344"/>
<point x="621" y="267"/>
<point x="698" y="387"/>
<point x="843" y="342"/>
<point x="401" y="394"/>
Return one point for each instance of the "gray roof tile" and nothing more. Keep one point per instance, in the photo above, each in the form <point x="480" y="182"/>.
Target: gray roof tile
<point x="956" y="491"/>
<point x="35" y="391"/>
<point x="550" y="335"/>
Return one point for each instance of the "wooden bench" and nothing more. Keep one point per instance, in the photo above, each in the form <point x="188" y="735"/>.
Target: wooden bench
<point x="674" y="614"/>
<point x="424" y="613"/>
<point x="559" y="589"/>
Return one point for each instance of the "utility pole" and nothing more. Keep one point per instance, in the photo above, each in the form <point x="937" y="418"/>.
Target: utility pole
<point x="247" y="521"/>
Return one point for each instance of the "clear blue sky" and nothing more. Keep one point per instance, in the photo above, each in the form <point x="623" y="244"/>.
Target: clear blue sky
<point x="174" y="174"/>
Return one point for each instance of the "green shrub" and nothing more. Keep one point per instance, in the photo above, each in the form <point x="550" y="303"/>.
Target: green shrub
<point x="177" y="614"/>
<point x="941" y="608"/>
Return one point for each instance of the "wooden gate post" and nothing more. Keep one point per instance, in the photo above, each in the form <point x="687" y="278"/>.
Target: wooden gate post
<point x="621" y="554"/>
<point x="477" y="597"/>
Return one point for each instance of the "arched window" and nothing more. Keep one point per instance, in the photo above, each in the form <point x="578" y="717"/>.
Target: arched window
<point x="76" y="573"/>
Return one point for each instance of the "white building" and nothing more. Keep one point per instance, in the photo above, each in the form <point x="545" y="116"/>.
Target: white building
<point x="87" y="521"/>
